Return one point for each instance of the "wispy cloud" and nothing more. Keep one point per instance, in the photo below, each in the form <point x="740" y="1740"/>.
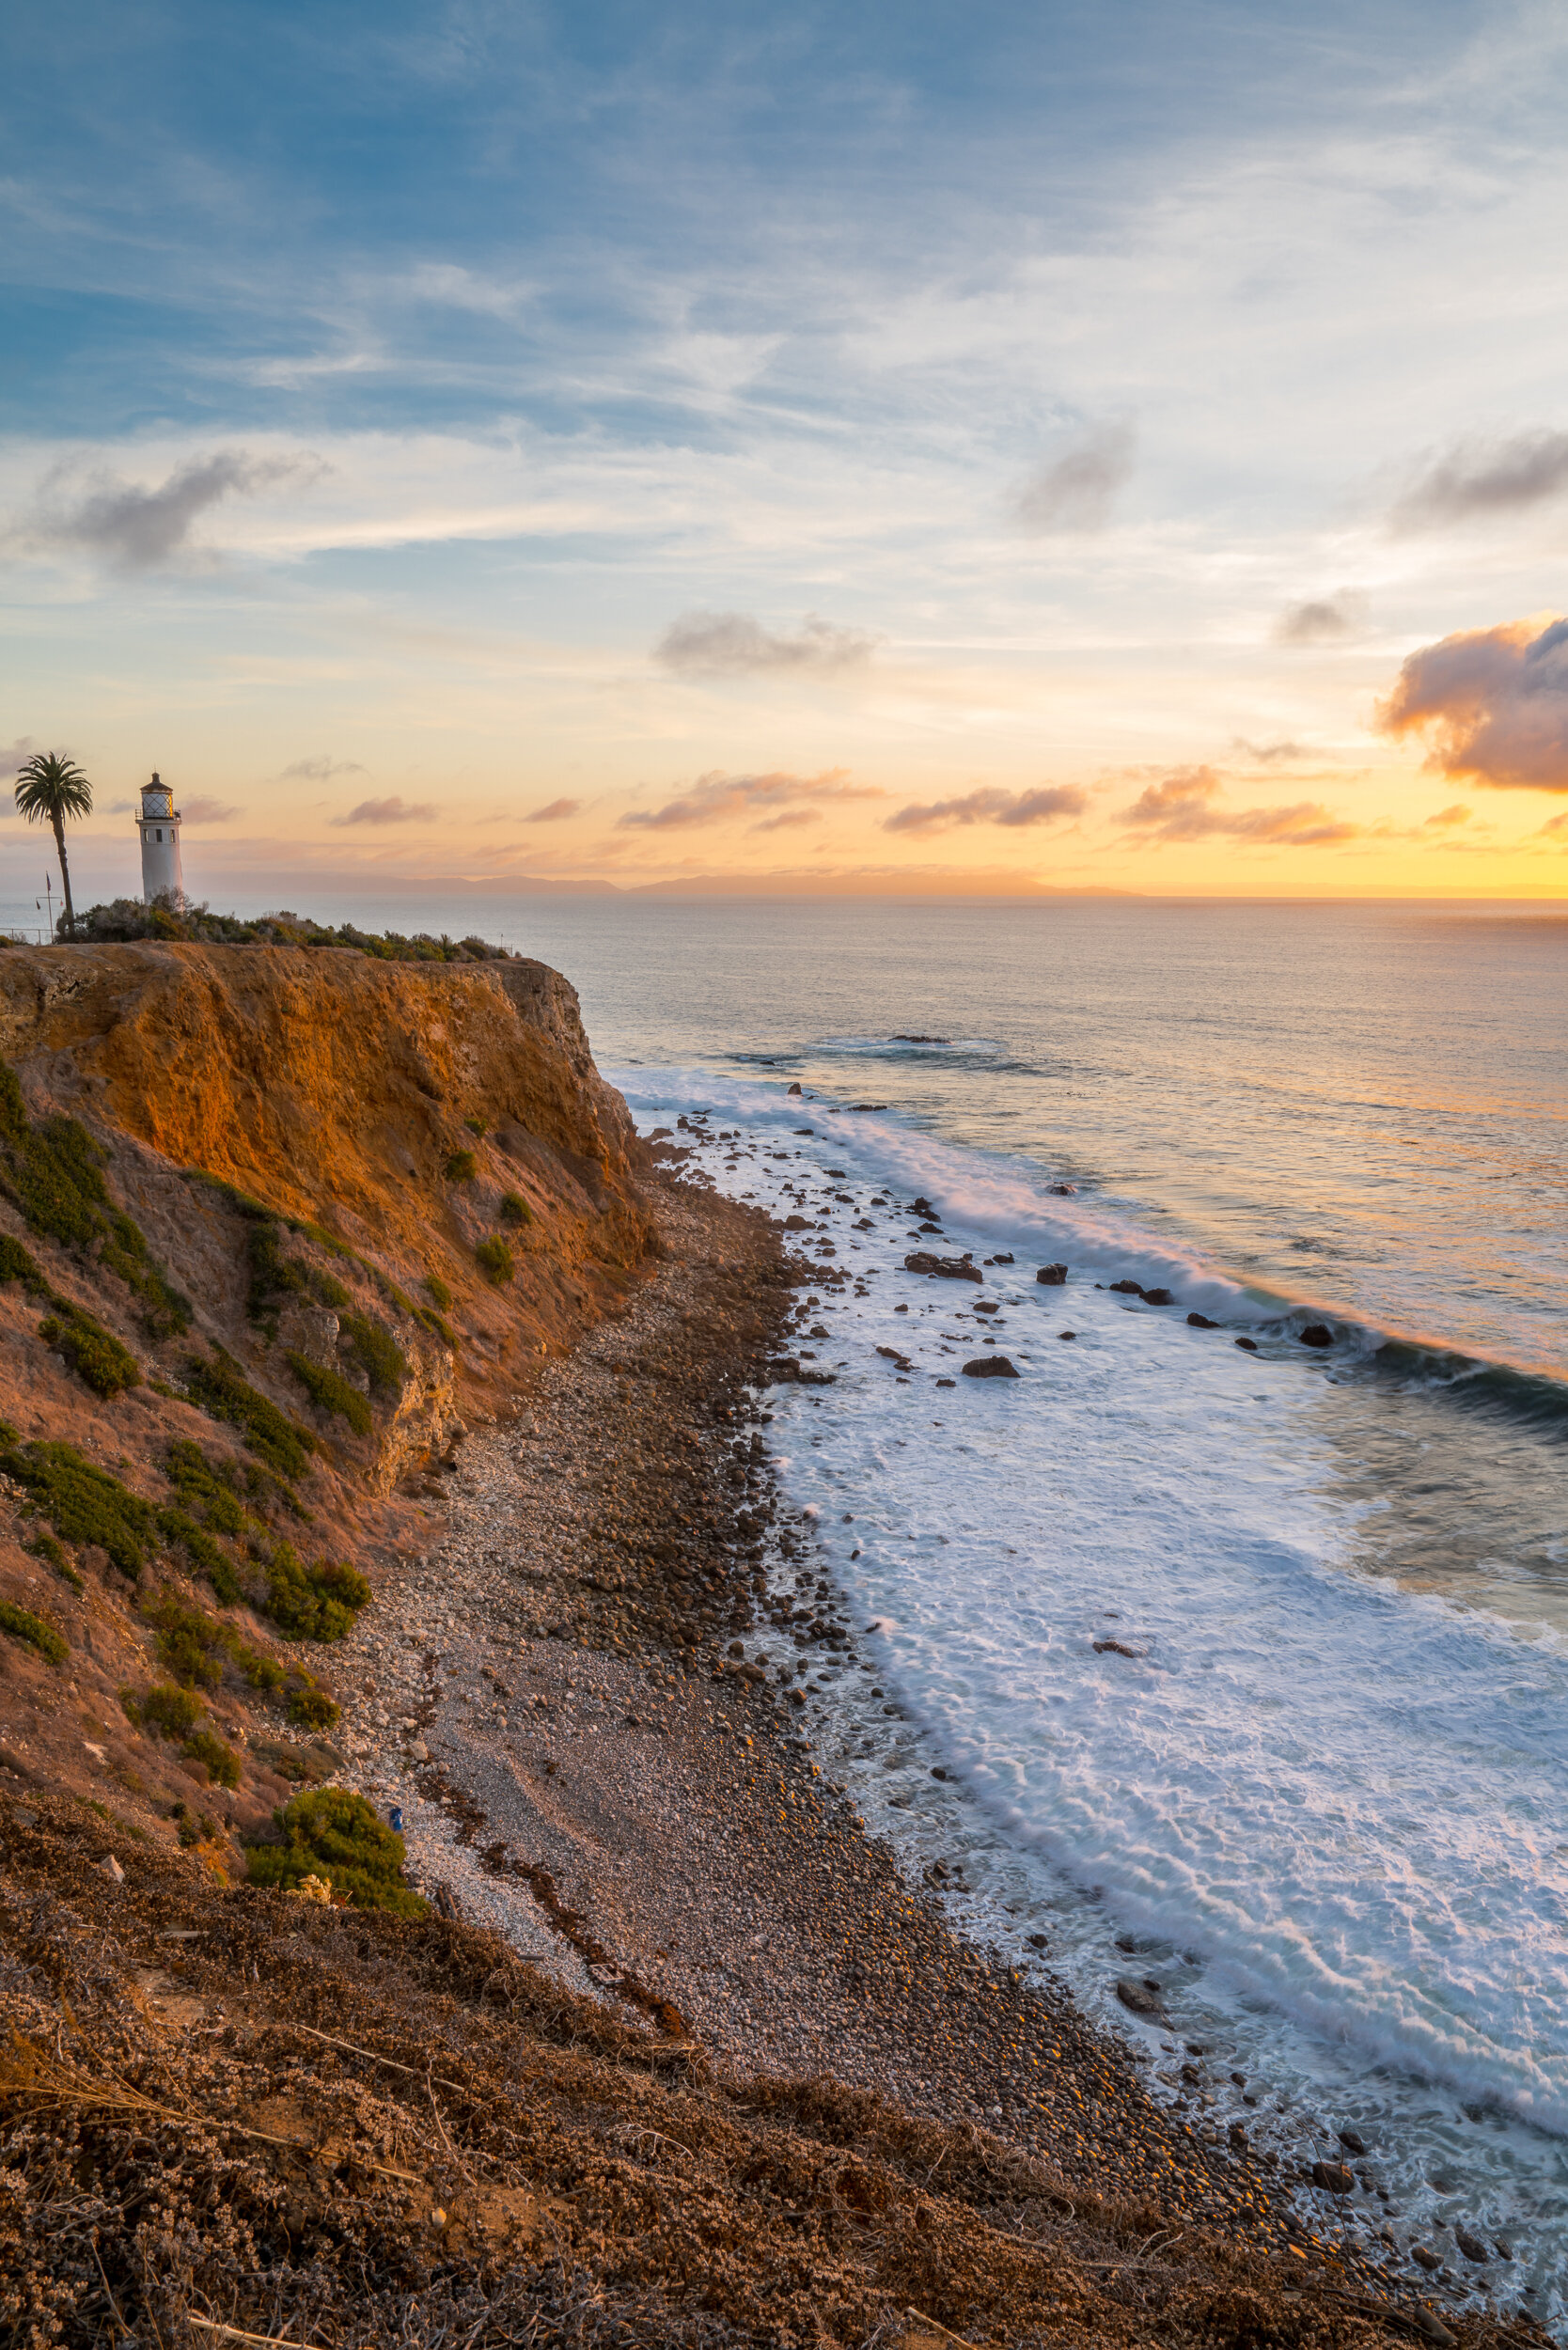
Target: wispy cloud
<point x="203" y="810"/>
<point x="395" y="810"/>
<point x="716" y="798"/>
<point x="734" y="644"/>
<point x="14" y="755"/>
<point x="135" y="528"/>
<point x="553" y="812"/>
<point x="1077" y="491"/>
<point x="322" y="770"/>
<point x="1323" y="620"/>
<point x="1476" y="478"/>
<point x="1493" y="702"/>
<point x="1190" y="806"/>
<point x="1447" y="817"/>
<point x="1047" y="804"/>
<point x="1275" y="754"/>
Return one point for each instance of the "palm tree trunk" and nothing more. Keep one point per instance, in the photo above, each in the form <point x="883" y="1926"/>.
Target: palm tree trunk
<point x="65" y="877"/>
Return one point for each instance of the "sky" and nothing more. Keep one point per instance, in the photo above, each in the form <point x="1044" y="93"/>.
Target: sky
<point x="984" y="448"/>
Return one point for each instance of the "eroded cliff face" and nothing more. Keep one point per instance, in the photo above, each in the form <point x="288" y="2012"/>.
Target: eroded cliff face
<point x="369" y="1196"/>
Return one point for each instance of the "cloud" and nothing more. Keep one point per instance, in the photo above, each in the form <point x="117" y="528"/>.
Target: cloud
<point x="1457" y="814"/>
<point x="1493" y="703"/>
<point x="1183" y="807"/>
<point x="1078" y="491"/>
<point x="553" y="812"/>
<point x="716" y="796"/>
<point x="392" y="812"/>
<point x="1274" y="754"/>
<point x="14" y="755"/>
<point x="1325" y="620"/>
<point x="990" y="805"/>
<point x="136" y="528"/>
<point x="1481" y="478"/>
<point x="202" y="810"/>
<point x="322" y="770"/>
<point x="791" y="817"/>
<point x="732" y="644"/>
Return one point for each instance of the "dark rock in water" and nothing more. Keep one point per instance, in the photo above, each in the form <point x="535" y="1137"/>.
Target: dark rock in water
<point x="987" y="1306"/>
<point x="1335" y="2177"/>
<point x="1063" y="1191"/>
<point x="1317" y="1334"/>
<point x="794" y="1089"/>
<point x="894" y="1356"/>
<point x="931" y="1228"/>
<point x="1127" y="1288"/>
<point x="1471" y="2246"/>
<point x="1249" y="1346"/>
<point x="805" y="1130"/>
<point x="990" y="1367"/>
<point x="1353" y="2141"/>
<point x="785" y="1371"/>
<point x="941" y="1382"/>
<point x="1067" y="1334"/>
<point x="1052" y="1276"/>
<point x="943" y="1268"/>
<point x="1113" y="1648"/>
<point x="999" y="1258"/>
<point x="1142" y="1998"/>
<point x="1201" y="1321"/>
<point x="920" y="1040"/>
<point x="922" y="1206"/>
<point x="868" y="1105"/>
<point x="797" y="1224"/>
<point x="1156" y="1297"/>
<point x="1428" y="2258"/>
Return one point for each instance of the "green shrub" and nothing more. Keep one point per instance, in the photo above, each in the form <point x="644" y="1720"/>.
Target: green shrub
<point x="210" y="1491"/>
<point x="271" y="1273"/>
<point x="13" y="1109"/>
<point x="16" y="1262"/>
<point x="330" y="1290"/>
<point x="330" y="1833"/>
<point x="44" y="1547"/>
<point x="223" y="1763"/>
<point x="191" y="1645"/>
<point x="175" y="1711"/>
<point x="331" y="1392"/>
<point x="59" y="1172"/>
<point x="435" y="1289"/>
<point x="94" y="1354"/>
<point x="83" y="1503"/>
<point x="312" y="1709"/>
<point x="241" y="1201"/>
<point x="125" y="1252"/>
<point x="432" y="1321"/>
<point x="377" y="1353"/>
<point x="496" y="1262"/>
<point x="461" y="1167"/>
<point x="317" y="1603"/>
<point x="515" y="1209"/>
<point x="477" y="1125"/>
<point x="24" y="1625"/>
<point x="215" y="1382"/>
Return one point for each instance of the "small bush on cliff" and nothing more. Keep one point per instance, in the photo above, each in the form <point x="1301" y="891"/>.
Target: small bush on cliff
<point x="377" y="1353"/>
<point x="461" y="1167"/>
<point x="94" y="1354"/>
<point x="436" y="1290"/>
<point x="179" y="1715"/>
<point x="165" y="1311"/>
<point x="312" y="1709"/>
<point x="22" y="1624"/>
<point x="515" y="1209"/>
<point x="496" y="1262"/>
<point x="191" y="1644"/>
<point x="84" y="1503"/>
<point x="17" y="1264"/>
<point x="317" y="1603"/>
<point x="211" y="1491"/>
<point x="215" y="1382"/>
<point x="175" y="1711"/>
<point x="336" y="1835"/>
<point x="331" y="1392"/>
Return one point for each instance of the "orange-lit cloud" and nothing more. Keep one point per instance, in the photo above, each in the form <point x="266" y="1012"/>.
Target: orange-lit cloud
<point x="1185" y="806"/>
<point x="395" y="810"/>
<point x="1445" y="817"/>
<point x="1493" y="703"/>
<point x="716" y="797"/>
<point x="553" y="812"/>
<point x="990" y="805"/>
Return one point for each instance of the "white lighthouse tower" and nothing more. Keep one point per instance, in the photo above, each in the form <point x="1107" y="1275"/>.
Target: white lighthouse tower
<point x="159" y="826"/>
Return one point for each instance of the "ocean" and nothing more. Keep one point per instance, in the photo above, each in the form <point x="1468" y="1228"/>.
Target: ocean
<point x="1245" y="1666"/>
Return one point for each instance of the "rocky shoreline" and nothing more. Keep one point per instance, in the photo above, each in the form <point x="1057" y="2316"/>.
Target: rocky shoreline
<point x="596" y="1754"/>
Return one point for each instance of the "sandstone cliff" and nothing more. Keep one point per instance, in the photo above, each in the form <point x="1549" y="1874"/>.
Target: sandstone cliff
<point x="274" y="1225"/>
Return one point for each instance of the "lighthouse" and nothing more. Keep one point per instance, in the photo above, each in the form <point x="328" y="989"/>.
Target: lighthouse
<point x="159" y="826"/>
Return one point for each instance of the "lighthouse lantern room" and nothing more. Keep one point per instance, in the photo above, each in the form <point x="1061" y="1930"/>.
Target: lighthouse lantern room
<point x="159" y="826"/>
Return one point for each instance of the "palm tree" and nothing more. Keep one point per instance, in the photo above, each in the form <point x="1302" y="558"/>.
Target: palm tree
<point x="48" y="790"/>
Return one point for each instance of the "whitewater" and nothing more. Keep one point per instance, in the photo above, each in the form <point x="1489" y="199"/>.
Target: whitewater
<point x="1193" y="1731"/>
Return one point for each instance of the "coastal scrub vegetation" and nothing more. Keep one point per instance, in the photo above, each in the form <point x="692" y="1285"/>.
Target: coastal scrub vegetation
<point x="330" y="1392"/>
<point x="496" y="1262"/>
<point x="22" y="1624"/>
<point x="461" y="1167"/>
<point x="515" y="1209"/>
<point x="216" y="1383"/>
<point x="333" y="1835"/>
<point x="124" y="922"/>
